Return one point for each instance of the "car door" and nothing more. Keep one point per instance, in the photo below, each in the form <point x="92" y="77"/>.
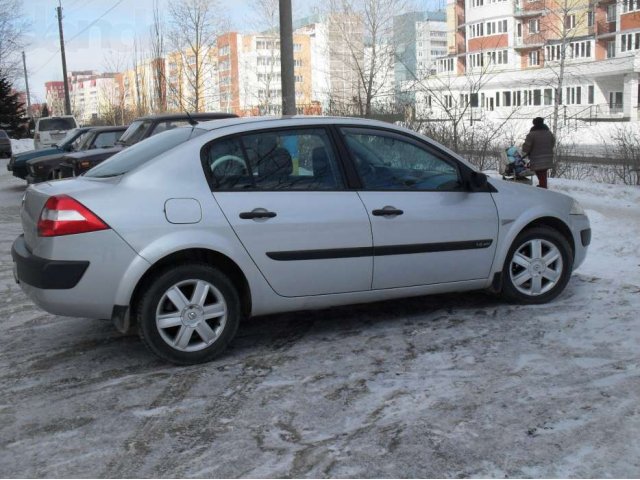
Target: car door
<point x="427" y="229"/>
<point x="284" y="195"/>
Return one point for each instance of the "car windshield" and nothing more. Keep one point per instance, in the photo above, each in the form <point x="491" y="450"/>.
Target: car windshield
<point x="141" y="153"/>
<point x="71" y="136"/>
<point x="135" y="132"/>
<point x="84" y="141"/>
<point x="48" y="124"/>
<point x="3" y="134"/>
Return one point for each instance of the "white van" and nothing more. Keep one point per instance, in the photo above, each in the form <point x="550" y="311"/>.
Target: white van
<point x="51" y="130"/>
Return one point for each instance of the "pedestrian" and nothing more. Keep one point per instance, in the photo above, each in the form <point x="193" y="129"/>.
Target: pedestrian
<point x="538" y="146"/>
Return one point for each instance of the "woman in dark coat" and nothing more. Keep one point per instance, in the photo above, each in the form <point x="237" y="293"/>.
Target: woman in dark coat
<point x="538" y="146"/>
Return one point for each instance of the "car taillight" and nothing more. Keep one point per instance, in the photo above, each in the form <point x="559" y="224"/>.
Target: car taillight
<point x="63" y="215"/>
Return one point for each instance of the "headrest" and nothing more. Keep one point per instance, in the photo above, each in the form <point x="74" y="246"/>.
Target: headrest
<point x="278" y="163"/>
<point x="320" y="161"/>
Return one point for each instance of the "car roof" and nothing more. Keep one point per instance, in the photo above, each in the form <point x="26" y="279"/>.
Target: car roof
<point x="293" y="120"/>
<point x="184" y="116"/>
<point x="108" y="128"/>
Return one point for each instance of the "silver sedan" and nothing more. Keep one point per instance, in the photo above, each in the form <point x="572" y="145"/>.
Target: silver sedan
<point x="183" y="234"/>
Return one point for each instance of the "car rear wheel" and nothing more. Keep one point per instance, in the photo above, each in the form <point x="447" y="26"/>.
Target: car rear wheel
<point x="189" y="314"/>
<point x="538" y="266"/>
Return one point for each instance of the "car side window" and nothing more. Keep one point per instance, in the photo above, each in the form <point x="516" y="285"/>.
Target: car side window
<point x="276" y="160"/>
<point x="106" y="139"/>
<point x="387" y="161"/>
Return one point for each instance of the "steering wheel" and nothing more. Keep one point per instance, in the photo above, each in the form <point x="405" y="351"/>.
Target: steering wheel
<point x="228" y="165"/>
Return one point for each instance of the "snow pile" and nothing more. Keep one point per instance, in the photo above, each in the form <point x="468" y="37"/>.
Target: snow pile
<point x="22" y="145"/>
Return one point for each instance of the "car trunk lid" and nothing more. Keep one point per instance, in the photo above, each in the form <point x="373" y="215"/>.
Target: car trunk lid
<point x="37" y="195"/>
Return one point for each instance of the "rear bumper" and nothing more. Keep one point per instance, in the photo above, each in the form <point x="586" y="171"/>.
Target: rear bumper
<point x="44" y="273"/>
<point x="75" y="275"/>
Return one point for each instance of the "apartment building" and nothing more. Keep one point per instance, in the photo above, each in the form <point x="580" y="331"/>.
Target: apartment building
<point x="509" y="54"/>
<point x="249" y="73"/>
<point x="419" y="38"/>
<point x="145" y="86"/>
<point x="91" y="94"/>
<point x="54" y="94"/>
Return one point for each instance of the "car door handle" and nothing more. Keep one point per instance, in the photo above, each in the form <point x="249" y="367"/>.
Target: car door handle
<point x="257" y="214"/>
<point x="387" y="212"/>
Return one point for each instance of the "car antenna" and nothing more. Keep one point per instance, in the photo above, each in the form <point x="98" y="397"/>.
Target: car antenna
<point x="192" y="121"/>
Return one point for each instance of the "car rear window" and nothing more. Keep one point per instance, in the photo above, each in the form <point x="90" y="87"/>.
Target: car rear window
<point x="140" y="153"/>
<point x="47" y="124"/>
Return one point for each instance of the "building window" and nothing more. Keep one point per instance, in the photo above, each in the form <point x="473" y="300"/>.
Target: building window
<point x="552" y="53"/>
<point x="611" y="49"/>
<point x="298" y="78"/>
<point x="580" y="49"/>
<point x="570" y="22"/>
<point x="297" y="47"/>
<point x="629" y="42"/>
<point x="478" y="3"/>
<point x="611" y="12"/>
<point x="548" y="96"/>
<point x="534" y="25"/>
<point x="590" y="95"/>
<point x="590" y="17"/>
<point x="224" y="50"/>
<point x="534" y="58"/>
<point x="630" y="6"/>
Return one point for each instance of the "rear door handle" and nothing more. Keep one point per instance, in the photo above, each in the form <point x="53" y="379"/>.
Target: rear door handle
<point x="257" y="213"/>
<point x="387" y="211"/>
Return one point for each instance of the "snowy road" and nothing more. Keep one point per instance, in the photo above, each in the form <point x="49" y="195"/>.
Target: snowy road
<point x="444" y="386"/>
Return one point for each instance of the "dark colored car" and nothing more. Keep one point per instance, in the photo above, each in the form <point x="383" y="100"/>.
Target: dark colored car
<point x="41" y="169"/>
<point x="5" y="144"/>
<point x="140" y="129"/>
<point x="18" y="163"/>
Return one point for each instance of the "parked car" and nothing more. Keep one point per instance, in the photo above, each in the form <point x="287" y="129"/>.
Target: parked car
<point x="51" y="130"/>
<point x="182" y="235"/>
<point x="140" y="129"/>
<point x="41" y="169"/>
<point x="5" y="144"/>
<point x="18" y="162"/>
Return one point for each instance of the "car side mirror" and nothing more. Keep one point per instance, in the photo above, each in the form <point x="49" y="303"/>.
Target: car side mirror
<point x="477" y="181"/>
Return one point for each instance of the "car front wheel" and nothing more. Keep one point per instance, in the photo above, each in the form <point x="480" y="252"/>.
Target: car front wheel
<point x="538" y="266"/>
<point x="189" y="314"/>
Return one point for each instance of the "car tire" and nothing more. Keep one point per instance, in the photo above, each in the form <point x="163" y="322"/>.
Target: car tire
<point x="188" y="314"/>
<point x="537" y="267"/>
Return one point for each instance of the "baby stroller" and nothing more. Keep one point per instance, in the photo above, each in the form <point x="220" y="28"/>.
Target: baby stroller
<point x="514" y="167"/>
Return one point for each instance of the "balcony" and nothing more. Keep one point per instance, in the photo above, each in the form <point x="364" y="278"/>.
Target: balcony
<point x="526" y="8"/>
<point x="605" y="29"/>
<point x="535" y="40"/>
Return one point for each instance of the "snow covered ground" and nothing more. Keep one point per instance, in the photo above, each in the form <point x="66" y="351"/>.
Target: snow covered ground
<point x="442" y="386"/>
<point x="22" y="145"/>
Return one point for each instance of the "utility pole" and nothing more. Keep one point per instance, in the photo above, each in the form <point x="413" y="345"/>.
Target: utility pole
<point x="26" y="82"/>
<point x="286" y="59"/>
<point x="67" y="101"/>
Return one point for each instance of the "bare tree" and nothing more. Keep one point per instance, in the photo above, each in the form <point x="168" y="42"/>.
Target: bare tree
<point x="267" y="69"/>
<point x="157" y="46"/>
<point x="113" y="94"/>
<point x="564" y="22"/>
<point x="365" y="45"/>
<point x="194" y="26"/>
<point x="12" y="27"/>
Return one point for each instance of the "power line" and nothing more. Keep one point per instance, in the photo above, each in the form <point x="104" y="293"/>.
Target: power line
<point x="77" y="35"/>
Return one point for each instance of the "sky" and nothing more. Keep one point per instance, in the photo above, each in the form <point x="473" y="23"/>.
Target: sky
<point x="106" y="44"/>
